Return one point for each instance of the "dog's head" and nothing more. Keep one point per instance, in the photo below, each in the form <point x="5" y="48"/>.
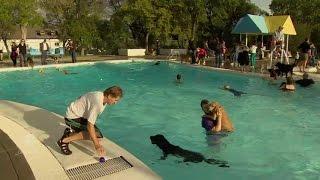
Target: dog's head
<point x="159" y="140"/>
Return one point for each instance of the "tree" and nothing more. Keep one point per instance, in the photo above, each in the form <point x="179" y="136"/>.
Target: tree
<point x="6" y="21"/>
<point x="75" y="19"/>
<point x="188" y="16"/>
<point x="144" y="18"/>
<point x="224" y="14"/>
<point x="25" y="13"/>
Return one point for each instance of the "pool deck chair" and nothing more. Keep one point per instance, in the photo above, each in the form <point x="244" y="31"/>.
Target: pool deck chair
<point x="35" y="132"/>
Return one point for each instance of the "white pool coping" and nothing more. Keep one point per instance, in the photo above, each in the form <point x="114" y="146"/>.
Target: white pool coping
<point x="312" y="75"/>
<point x="9" y="69"/>
<point x="35" y="131"/>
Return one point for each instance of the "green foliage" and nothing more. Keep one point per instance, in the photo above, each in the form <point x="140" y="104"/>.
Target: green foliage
<point x="224" y="14"/>
<point x="75" y="19"/>
<point x="25" y="13"/>
<point x="6" y="18"/>
<point x="303" y="31"/>
<point x="144" y="18"/>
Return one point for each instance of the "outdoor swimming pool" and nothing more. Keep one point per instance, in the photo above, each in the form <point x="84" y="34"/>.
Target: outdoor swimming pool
<point x="276" y="133"/>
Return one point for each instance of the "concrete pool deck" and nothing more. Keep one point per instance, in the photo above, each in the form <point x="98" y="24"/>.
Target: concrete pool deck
<point x="35" y="132"/>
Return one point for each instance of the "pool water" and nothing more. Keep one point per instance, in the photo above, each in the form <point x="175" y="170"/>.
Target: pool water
<point x="276" y="133"/>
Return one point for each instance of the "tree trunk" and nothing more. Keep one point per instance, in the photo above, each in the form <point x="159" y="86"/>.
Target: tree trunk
<point x="4" y="38"/>
<point x="194" y="29"/>
<point x="23" y="29"/>
<point x="147" y="42"/>
<point x="82" y="51"/>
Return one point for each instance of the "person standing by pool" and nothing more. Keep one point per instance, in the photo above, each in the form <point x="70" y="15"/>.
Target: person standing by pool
<point x="214" y="112"/>
<point x="72" y="47"/>
<point x="1" y="51"/>
<point x="44" y="49"/>
<point x="81" y="117"/>
<point x="22" y="53"/>
<point x="304" y="47"/>
<point x="253" y="54"/>
<point x="14" y="53"/>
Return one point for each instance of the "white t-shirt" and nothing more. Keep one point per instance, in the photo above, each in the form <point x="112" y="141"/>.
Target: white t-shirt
<point x="279" y="36"/>
<point x="253" y="49"/>
<point x="88" y="106"/>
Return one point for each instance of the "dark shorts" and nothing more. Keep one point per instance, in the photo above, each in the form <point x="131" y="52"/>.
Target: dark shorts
<point x="1" y="51"/>
<point x="80" y="124"/>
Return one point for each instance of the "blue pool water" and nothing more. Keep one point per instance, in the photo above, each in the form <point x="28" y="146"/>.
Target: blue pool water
<point x="276" y="137"/>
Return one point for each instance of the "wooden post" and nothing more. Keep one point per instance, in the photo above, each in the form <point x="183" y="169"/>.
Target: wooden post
<point x="246" y="40"/>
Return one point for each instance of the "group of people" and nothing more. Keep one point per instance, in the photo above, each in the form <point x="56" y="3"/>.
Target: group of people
<point x="199" y="55"/>
<point x="19" y="52"/>
<point x="245" y="56"/>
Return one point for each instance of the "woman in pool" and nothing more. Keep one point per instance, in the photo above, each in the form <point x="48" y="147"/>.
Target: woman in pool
<point x="289" y="85"/>
<point x="215" y="118"/>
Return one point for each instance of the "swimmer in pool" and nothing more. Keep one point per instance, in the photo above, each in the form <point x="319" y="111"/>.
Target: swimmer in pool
<point x="235" y="92"/>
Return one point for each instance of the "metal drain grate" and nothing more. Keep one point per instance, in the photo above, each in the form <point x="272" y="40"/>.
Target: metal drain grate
<point x="92" y="171"/>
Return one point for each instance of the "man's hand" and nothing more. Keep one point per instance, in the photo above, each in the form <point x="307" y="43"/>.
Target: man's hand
<point x="100" y="150"/>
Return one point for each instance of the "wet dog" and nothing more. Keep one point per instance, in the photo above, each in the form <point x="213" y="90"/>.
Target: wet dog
<point x="188" y="156"/>
<point x="285" y="68"/>
<point x="274" y="73"/>
<point x="30" y="62"/>
<point x="157" y="63"/>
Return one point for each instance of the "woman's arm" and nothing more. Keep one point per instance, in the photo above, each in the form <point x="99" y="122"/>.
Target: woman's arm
<point x="218" y="118"/>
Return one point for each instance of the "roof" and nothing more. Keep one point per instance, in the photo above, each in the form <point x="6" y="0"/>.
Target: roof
<point x="251" y="24"/>
<point x="34" y="33"/>
<point x="273" y="23"/>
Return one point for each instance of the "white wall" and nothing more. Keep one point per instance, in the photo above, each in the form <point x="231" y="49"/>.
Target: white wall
<point x="173" y="51"/>
<point x="132" y="52"/>
<point x="33" y="43"/>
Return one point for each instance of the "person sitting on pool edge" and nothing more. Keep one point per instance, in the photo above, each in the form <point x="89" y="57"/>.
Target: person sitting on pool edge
<point x="288" y="86"/>
<point x="235" y="92"/>
<point x="213" y="111"/>
<point x="305" y="82"/>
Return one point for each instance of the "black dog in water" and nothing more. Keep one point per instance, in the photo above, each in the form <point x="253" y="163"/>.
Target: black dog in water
<point x="189" y="156"/>
<point x="157" y="63"/>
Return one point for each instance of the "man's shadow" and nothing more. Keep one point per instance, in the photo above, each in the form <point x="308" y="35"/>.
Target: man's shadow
<point x="47" y="126"/>
<point x="52" y="126"/>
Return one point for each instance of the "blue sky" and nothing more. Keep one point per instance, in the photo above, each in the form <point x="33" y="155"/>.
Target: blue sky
<point x="263" y="4"/>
